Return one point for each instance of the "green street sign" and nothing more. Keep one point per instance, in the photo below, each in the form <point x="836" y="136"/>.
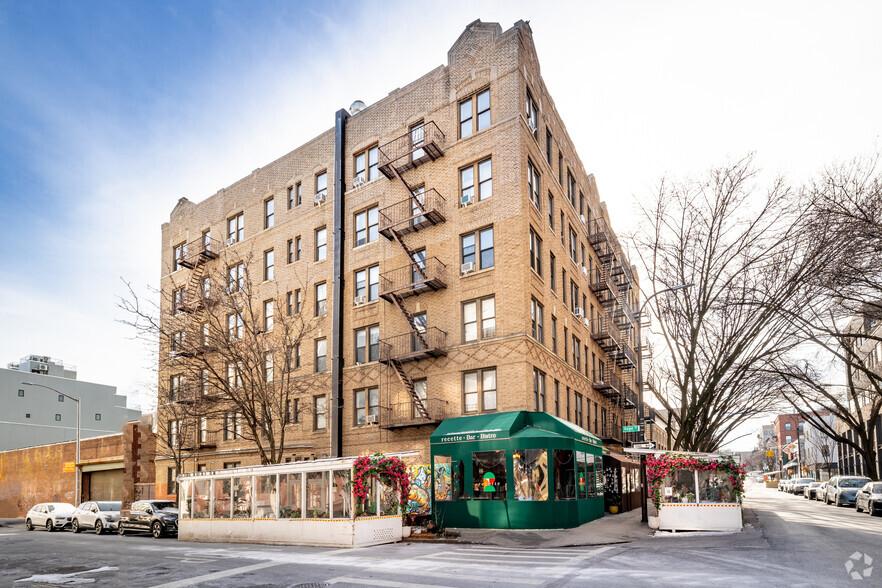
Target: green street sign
<point x="631" y="429"/>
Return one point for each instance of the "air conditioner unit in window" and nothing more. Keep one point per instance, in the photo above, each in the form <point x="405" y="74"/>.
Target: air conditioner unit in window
<point x="358" y="182"/>
<point x="468" y="267"/>
<point x="466" y="200"/>
<point x="360" y="300"/>
<point x="582" y="218"/>
<point x="319" y="199"/>
<point x="371" y="419"/>
<point x="231" y="240"/>
<point x="584" y="271"/>
<point x="532" y="124"/>
<point x="587" y="324"/>
<point x="488" y="332"/>
<point x="579" y="312"/>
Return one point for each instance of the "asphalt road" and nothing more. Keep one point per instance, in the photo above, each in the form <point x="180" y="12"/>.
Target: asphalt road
<point x="788" y="540"/>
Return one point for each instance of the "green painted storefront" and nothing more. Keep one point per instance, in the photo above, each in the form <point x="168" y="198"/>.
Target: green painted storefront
<point x="515" y="470"/>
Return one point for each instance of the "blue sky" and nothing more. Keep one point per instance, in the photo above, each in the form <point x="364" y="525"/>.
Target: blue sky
<point x="111" y="111"/>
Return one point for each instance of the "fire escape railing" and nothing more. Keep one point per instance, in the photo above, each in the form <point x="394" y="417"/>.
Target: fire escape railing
<point x="413" y="213"/>
<point x="410" y="281"/>
<point x="418" y="145"/>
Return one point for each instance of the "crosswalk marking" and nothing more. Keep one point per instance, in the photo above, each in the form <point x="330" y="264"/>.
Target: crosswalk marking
<point x="376" y="582"/>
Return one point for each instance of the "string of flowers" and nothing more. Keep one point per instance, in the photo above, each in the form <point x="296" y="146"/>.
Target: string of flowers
<point x="657" y="468"/>
<point x="389" y="471"/>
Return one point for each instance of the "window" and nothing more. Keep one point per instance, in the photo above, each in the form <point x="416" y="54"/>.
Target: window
<point x="235" y="326"/>
<point x="232" y="429"/>
<point x="578" y="409"/>
<point x="560" y="168"/>
<point x="21" y="393"/>
<point x="294" y="357"/>
<point x="297" y="248"/>
<point x="321" y="185"/>
<point x="289" y="303"/>
<point x="268" y="308"/>
<point x="179" y="253"/>
<point x="298" y="302"/>
<point x="367" y="226"/>
<point x="236" y="228"/>
<point x="421" y="390"/>
<point x="479" y="390"/>
<point x="551" y="211"/>
<point x="573" y="245"/>
<point x="234" y="375"/>
<point x="474" y="114"/>
<point x="321" y="355"/>
<point x="291" y="197"/>
<point x="562" y="232"/>
<point x="553" y="333"/>
<point x="367" y="283"/>
<point x="479" y="313"/>
<point x="548" y="144"/>
<point x="571" y="189"/>
<point x="97" y="416"/>
<point x="563" y="284"/>
<point x="320" y="412"/>
<point x="530" y="475"/>
<point x="367" y="344"/>
<point x="206" y="287"/>
<point x="174" y="388"/>
<point x="556" y="398"/>
<point x="321" y="244"/>
<point x="417" y="139"/>
<point x="483" y="170"/>
<point x="533" y="184"/>
<point x="236" y="278"/>
<point x="269" y="263"/>
<point x="57" y="417"/>
<point x="61" y="398"/>
<point x="292" y="411"/>
<point x="532" y="115"/>
<point x="788" y="437"/>
<point x="535" y="252"/>
<point x="577" y="350"/>
<point x="203" y="429"/>
<point x="321" y="299"/>
<point x="269" y="213"/>
<point x="574" y="295"/>
<point x="367" y="165"/>
<point x="538" y="390"/>
<point x="290" y="251"/>
<point x="552" y="270"/>
<point x="367" y="402"/>
<point x="488" y="471"/>
<point x="171" y="478"/>
<point x="178" y="300"/>
<point x="787" y="426"/>
<point x="268" y="366"/>
<point x="483" y="257"/>
<point x="536" y="312"/>
<point x="564" y="474"/>
<point x="298" y="194"/>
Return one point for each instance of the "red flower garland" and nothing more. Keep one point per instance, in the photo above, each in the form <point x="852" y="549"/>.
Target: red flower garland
<point x="390" y="471"/>
<point x="657" y="468"/>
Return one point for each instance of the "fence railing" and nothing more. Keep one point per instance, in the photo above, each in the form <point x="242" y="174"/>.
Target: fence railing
<point x="408" y="280"/>
<point x="419" y="144"/>
<point x="413" y="213"/>
<point x="406" y="414"/>
<point x="410" y="346"/>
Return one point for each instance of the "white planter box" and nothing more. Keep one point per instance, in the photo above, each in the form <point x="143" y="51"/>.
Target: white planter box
<point x="317" y="532"/>
<point x="699" y="517"/>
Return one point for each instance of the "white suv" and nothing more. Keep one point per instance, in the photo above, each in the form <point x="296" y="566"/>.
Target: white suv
<point x="100" y="516"/>
<point x="49" y="515"/>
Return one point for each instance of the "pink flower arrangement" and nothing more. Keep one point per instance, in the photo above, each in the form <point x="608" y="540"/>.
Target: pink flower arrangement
<point x="657" y="468"/>
<point x="390" y="471"/>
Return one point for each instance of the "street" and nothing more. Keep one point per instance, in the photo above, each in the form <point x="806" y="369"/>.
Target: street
<point x="787" y="539"/>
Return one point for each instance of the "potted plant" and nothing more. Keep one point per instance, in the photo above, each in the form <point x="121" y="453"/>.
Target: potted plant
<point x="613" y="502"/>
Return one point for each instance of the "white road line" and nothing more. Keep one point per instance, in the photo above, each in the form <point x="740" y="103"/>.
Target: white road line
<point x="522" y="549"/>
<point x="375" y="582"/>
<point x="514" y="555"/>
<point x="450" y="574"/>
<point x="219" y="575"/>
<point x="591" y="553"/>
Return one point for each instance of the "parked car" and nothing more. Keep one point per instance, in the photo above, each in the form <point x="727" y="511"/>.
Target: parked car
<point x="49" y="515"/>
<point x="799" y="485"/>
<point x="100" y="516"/>
<point x="157" y="517"/>
<point x="821" y="491"/>
<point x="869" y="498"/>
<point x="809" y="491"/>
<point x="841" y="490"/>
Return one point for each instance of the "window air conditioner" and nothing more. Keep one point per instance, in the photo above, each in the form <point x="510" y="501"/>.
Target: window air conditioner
<point x="371" y="419"/>
<point x="319" y="199"/>
<point x="532" y="124"/>
<point x="358" y="182"/>
<point x="360" y="300"/>
<point x="584" y="271"/>
<point x="587" y="324"/>
<point x="579" y="312"/>
<point x="231" y="240"/>
<point x="488" y="332"/>
<point x="468" y="267"/>
<point x="470" y="199"/>
<point x="582" y="218"/>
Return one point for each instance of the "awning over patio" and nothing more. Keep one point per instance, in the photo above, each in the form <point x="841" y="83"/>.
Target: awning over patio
<point x="509" y="425"/>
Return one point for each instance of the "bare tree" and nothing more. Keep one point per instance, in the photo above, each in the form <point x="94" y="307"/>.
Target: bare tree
<point x="740" y="250"/>
<point x="229" y="355"/>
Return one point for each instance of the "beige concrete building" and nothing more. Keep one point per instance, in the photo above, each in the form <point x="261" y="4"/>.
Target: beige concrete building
<point x="446" y="253"/>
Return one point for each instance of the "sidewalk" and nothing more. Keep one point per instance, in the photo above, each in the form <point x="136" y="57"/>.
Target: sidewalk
<point x="11" y="522"/>
<point x="620" y="528"/>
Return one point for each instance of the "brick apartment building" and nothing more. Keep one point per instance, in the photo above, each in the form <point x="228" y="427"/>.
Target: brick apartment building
<point x="449" y="253"/>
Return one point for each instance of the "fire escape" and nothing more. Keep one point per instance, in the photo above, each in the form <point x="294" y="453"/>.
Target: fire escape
<point x="196" y="254"/>
<point x="420" y="209"/>
<point x="612" y="326"/>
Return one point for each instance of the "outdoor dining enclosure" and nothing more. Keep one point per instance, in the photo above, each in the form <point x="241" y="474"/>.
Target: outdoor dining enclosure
<point x="302" y="503"/>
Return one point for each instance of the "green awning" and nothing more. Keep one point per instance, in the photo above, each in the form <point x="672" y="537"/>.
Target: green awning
<point x="505" y="425"/>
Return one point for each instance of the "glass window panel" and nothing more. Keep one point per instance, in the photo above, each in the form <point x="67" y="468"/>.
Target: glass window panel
<point x="290" y="494"/>
<point x="468" y="248"/>
<point x="564" y="474"/>
<point x="242" y="497"/>
<point x="374" y="282"/>
<point x="682" y="487"/>
<point x="389" y="504"/>
<point x="317" y="492"/>
<point x="485" y="179"/>
<point x="486" y="248"/>
<point x="201" y="499"/>
<point x="589" y="469"/>
<point x="186" y="499"/>
<point x="221" y="500"/>
<point x="530" y="474"/>
<point x="581" y="476"/>
<point x="266" y="498"/>
<point x="342" y="495"/>
<point x="715" y="488"/>
<point x="470" y="312"/>
<point x="442" y="475"/>
<point x="470" y="389"/>
<point x="488" y="474"/>
<point x="370" y="505"/>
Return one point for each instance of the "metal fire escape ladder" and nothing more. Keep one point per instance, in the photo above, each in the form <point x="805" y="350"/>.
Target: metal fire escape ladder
<point x="408" y="385"/>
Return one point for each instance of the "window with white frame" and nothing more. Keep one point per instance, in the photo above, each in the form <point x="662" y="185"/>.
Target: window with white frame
<point x="476" y="181"/>
<point x="538" y="390"/>
<point x="532" y="115"/>
<point x="479" y="319"/>
<point x="537" y="320"/>
<point x="367" y="226"/>
<point x="269" y="213"/>
<point x="236" y="278"/>
<point x="321" y="184"/>
<point x="479" y="390"/>
<point x="535" y="252"/>
<point x="367" y="283"/>
<point x="477" y="248"/>
<point x="268" y="366"/>
<point x="321" y="355"/>
<point x="269" y="263"/>
<point x="320" y="412"/>
<point x="474" y="113"/>
<point x="236" y="228"/>
<point x="235" y="326"/>
<point x="367" y="403"/>
<point x="367" y="344"/>
<point x="321" y="299"/>
<point x="321" y="244"/>
<point x="268" y="310"/>
<point x="367" y="164"/>
<point x="533" y="184"/>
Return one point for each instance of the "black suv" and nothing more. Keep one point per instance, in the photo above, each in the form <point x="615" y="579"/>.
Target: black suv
<point x="157" y="517"/>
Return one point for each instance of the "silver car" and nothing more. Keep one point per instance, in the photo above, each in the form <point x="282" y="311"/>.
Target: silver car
<point x="98" y="515"/>
<point x="49" y="516"/>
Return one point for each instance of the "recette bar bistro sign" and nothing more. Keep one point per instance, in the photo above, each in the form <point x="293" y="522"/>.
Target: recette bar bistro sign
<point x="462" y="436"/>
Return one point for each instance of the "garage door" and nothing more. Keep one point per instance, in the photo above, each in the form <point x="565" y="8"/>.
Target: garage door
<point x="106" y="485"/>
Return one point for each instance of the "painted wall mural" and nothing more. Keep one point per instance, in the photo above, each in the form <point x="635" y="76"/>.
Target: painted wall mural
<point x="418" y="502"/>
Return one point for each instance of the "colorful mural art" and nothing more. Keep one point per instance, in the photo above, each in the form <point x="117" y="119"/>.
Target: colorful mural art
<point x="418" y="502"/>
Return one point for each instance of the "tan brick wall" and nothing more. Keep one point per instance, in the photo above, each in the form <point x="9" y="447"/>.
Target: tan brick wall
<point x="483" y="57"/>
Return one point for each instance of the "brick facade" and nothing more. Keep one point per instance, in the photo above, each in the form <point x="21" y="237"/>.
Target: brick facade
<point x="484" y="57"/>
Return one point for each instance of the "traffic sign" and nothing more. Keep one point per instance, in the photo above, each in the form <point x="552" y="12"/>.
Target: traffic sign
<point x="645" y="445"/>
<point x="631" y="429"/>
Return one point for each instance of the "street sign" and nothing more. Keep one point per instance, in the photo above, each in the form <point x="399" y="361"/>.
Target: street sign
<point x="645" y="445"/>
<point x="631" y="429"/>
<point x="68" y="466"/>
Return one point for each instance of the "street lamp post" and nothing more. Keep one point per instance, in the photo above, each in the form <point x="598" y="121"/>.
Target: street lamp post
<point x="644" y="514"/>
<point x="77" y="464"/>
